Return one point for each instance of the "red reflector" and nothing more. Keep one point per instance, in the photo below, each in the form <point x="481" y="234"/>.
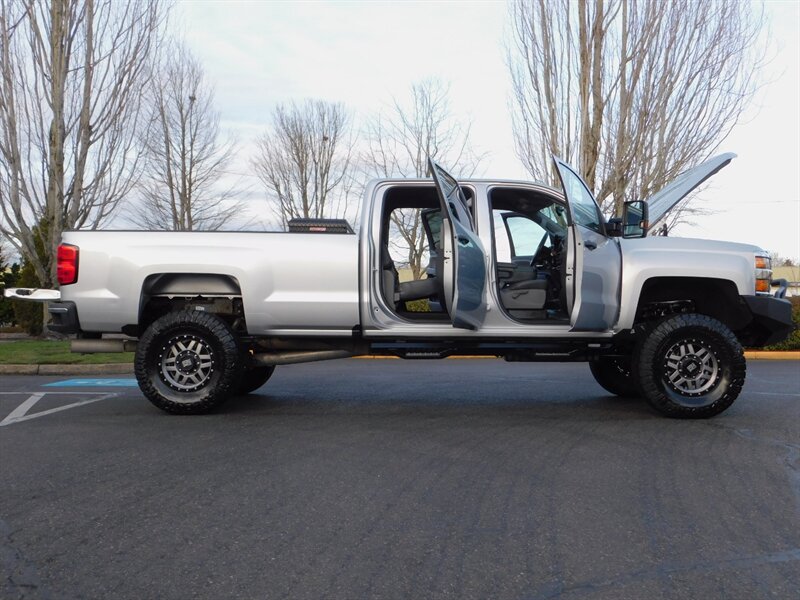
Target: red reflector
<point x="67" y="269"/>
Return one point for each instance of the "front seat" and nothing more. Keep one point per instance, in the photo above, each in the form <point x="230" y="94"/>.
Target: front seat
<point x="530" y="294"/>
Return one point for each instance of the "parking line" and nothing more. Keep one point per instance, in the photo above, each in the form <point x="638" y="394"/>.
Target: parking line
<point x="19" y="414"/>
<point x="94" y="382"/>
<point x="23" y="408"/>
<point x="60" y="393"/>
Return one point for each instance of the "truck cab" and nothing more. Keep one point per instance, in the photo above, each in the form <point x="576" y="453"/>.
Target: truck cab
<point x="512" y="259"/>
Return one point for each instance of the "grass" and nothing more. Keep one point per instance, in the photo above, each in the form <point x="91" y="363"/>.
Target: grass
<point x="42" y="352"/>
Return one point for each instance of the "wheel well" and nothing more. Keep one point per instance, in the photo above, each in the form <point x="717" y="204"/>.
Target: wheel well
<point x="212" y="292"/>
<point x="717" y="298"/>
<point x="190" y="284"/>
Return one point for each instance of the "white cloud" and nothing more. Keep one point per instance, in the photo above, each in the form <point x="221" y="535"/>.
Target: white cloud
<point x="364" y="53"/>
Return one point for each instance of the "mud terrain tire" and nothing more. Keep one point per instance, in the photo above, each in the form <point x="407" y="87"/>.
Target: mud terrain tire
<point x="188" y="362"/>
<point x="690" y="366"/>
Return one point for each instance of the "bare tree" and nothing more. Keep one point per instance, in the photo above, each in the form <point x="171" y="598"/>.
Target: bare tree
<point x="304" y="161"/>
<point x="779" y="260"/>
<point x="399" y="144"/>
<point x="183" y="158"/>
<point x="71" y="79"/>
<point x="630" y="91"/>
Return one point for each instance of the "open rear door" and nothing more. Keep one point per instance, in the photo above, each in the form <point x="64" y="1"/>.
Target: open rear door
<point x="464" y="269"/>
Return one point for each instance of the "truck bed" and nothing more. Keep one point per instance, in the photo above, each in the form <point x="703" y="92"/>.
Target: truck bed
<point x="301" y="281"/>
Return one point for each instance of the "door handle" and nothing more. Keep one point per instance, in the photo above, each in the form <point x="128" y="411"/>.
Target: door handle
<point x="590" y="244"/>
<point x="463" y="240"/>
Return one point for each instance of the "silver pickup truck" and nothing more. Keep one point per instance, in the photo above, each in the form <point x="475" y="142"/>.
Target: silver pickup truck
<point x="516" y="270"/>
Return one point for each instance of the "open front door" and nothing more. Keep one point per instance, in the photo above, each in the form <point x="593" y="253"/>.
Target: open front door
<point x="464" y="266"/>
<point x="595" y="259"/>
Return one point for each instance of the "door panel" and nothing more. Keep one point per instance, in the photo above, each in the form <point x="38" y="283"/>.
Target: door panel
<point x="464" y="261"/>
<point x="597" y="281"/>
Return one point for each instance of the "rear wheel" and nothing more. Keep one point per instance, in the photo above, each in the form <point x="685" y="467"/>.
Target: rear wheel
<point x="690" y="366"/>
<point x="614" y="375"/>
<point x="187" y="362"/>
<point x="254" y="378"/>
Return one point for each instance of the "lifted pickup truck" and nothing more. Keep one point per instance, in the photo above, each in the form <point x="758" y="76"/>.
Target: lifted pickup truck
<point x="516" y="270"/>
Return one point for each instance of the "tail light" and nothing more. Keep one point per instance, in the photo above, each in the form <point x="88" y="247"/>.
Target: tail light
<point x="67" y="264"/>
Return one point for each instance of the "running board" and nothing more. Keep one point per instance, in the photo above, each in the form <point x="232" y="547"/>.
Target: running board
<point x="576" y="355"/>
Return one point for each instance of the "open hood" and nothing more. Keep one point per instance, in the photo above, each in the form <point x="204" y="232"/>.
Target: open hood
<point x="660" y="203"/>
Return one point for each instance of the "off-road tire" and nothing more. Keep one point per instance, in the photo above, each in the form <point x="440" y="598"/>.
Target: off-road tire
<point x="689" y="366"/>
<point x="188" y="362"/>
<point x="614" y="375"/>
<point x="252" y="379"/>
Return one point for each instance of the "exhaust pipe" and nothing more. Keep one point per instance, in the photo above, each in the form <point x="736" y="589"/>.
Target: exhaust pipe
<point x="89" y="346"/>
<point x="292" y="358"/>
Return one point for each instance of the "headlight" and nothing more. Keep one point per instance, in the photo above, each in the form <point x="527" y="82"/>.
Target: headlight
<point x="763" y="269"/>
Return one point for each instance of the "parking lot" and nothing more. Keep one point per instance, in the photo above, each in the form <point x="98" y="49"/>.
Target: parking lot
<point x="399" y="479"/>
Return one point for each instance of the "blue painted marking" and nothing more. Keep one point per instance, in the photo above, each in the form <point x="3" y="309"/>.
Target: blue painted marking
<point x="92" y="382"/>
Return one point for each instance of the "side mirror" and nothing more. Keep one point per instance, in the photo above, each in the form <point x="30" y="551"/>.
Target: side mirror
<point x="635" y="219"/>
<point x="614" y="227"/>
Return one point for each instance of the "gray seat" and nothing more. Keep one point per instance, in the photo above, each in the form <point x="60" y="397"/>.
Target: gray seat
<point x="525" y="295"/>
<point x="419" y="289"/>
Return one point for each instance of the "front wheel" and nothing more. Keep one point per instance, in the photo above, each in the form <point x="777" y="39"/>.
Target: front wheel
<point x="614" y="375"/>
<point x="254" y="378"/>
<point x="690" y="366"/>
<point x="187" y="362"/>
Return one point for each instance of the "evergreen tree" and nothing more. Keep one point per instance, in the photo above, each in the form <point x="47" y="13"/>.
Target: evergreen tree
<point x="8" y="278"/>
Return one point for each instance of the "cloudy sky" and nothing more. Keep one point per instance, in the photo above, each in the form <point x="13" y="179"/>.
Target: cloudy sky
<point x="258" y="54"/>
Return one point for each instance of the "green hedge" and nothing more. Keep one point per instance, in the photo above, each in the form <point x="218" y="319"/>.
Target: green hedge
<point x="793" y="343"/>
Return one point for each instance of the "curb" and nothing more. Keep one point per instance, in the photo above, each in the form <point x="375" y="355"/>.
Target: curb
<point x="772" y="355"/>
<point x="109" y="369"/>
<point x="127" y="368"/>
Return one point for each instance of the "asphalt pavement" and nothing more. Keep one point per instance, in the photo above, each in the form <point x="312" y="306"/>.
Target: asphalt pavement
<point x="399" y="479"/>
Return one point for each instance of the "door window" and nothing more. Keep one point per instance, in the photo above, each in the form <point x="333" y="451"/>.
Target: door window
<point x="584" y="209"/>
